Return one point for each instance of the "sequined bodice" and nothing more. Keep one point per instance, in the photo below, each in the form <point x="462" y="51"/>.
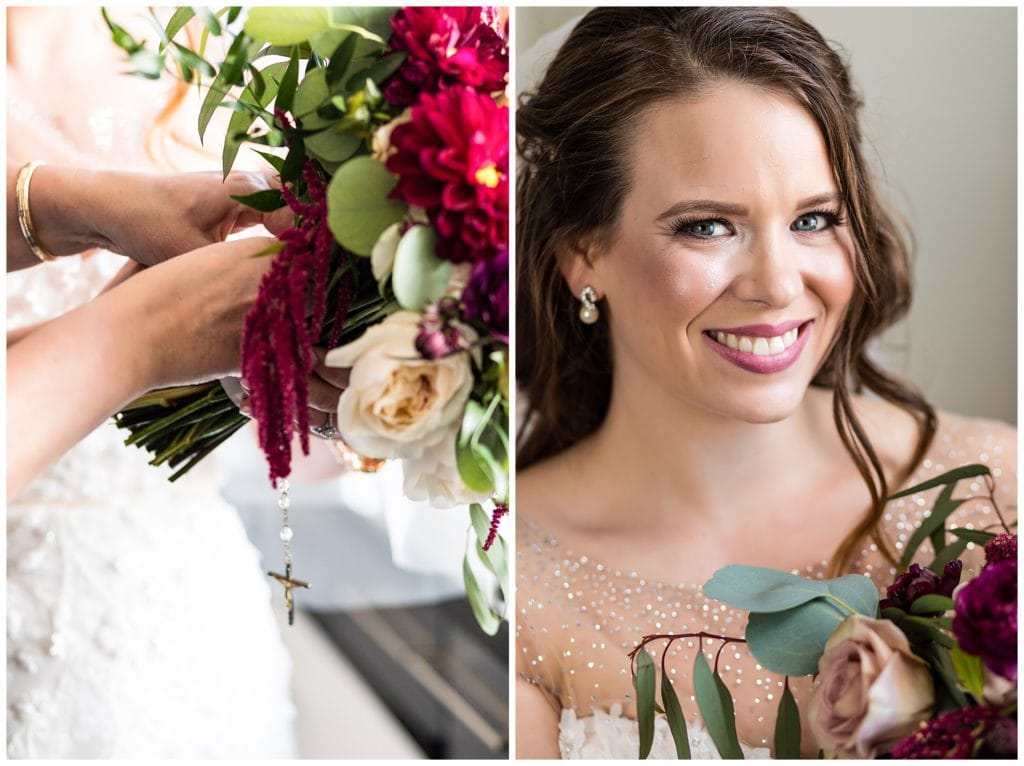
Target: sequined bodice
<point x="578" y="618"/>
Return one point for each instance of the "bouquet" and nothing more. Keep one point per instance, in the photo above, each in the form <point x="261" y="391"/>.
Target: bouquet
<point x="930" y="671"/>
<point x="389" y="131"/>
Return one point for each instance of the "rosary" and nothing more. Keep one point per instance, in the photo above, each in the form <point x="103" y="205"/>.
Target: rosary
<point x="286" y="536"/>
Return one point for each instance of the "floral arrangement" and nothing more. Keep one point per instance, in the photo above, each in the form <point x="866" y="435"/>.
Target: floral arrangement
<point x="389" y="131"/>
<point x="929" y="671"/>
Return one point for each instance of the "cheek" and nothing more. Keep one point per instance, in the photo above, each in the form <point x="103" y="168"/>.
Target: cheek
<point x="834" y="282"/>
<point x="668" y="283"/>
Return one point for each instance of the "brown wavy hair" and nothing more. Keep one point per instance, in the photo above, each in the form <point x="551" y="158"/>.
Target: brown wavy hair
<point x="574" y="135"/>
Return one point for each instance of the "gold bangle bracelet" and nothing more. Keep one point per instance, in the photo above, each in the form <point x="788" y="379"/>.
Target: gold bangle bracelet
<point x="25" y="212"/>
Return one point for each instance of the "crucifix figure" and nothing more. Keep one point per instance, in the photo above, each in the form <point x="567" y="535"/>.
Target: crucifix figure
<point x="288" y="583"/>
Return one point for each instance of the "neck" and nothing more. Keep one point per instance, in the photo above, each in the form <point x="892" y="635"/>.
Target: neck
<point x="690" y="459"/>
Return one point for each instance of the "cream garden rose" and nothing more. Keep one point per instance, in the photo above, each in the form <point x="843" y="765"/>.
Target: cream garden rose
<point x="398" y="405"/>
<point x="434" y="477"/>
<point x="872" y="691"/>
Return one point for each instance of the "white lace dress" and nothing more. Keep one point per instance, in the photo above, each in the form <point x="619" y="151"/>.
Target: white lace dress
<point x="577" y="619"/>
<point x="139" y="622"/>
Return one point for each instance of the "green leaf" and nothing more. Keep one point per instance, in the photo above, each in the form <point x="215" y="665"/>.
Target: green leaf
<point x="757" y="589"/>
<point x="230" y="74"/>
<point x="341" y="58"/>
<point x="949" y="477"/>
<point x="311" y="94"/>
<point x="474" y="475"/>
<point x="496" y="558"/>
<point x="787" y="727"/>
<point x="209" y="20"/>
<point x="275" y="161"/>
<point x="285" y="25"/>
<point x="178" y="20"/>
<point x="191" y="59"/>
<point x="376" y="20"/>
<point x="358" y="207"/>
<point x="950" y="552"/>
<point x="289" y="83"/>
<point x="942" y="664"/>
<point x="645" y="701"/>
<point x="242" y="118"/>
<point x="331" y="146"/>
<point x="944" y="506"/>
<point x="930" y="604"/>
<point x="715" y="705"/>
<point x="975" y="536"/>
<point x="676" y="720"/>
<point x="122" y="39"/>
<point x="791" y="642"/>
<point x="264" y="201"/>
<point x="970" y="670"/>
<point x="147" y="64"/>
<point x="419" y="277"/>
<point x="294" y="162"/>
<point x="489" y="622"/>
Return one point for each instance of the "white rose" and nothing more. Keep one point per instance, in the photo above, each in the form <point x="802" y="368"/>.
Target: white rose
<point x="434" y="477"/>
<point x="398" y="405"/>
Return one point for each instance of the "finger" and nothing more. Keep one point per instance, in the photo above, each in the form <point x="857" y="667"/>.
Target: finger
<point x="336" y="376"/>
<point x="277" y="221"/>
<point x="323" y="396"/>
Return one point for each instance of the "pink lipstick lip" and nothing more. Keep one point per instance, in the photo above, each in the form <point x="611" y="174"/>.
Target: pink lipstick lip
<point x="761" y="330"/>
<point x="763" y="365"/>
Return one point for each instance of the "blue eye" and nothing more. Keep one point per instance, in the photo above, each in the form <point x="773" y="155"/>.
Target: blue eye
<point x="818" y="220"/>
<point x="707" y="228"/>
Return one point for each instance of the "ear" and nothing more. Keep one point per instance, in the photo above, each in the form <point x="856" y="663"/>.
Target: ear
<point x="578" y="262"/>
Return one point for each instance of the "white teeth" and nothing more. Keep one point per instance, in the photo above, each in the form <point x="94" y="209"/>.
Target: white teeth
<point x="759" y="346"/>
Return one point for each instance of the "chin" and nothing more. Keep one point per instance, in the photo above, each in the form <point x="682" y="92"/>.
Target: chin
<point x="763" y="409"/>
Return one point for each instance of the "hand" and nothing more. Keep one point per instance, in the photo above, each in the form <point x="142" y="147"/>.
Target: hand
<point x="151" y="218"/>
<point x="186" y="314"/>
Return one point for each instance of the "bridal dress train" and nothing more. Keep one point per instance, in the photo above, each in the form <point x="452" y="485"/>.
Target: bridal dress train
<point x="139" y="620"/>
<point x="578" y="618"/>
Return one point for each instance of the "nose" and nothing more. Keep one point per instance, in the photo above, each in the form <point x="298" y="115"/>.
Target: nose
<point x="769" y="274"/>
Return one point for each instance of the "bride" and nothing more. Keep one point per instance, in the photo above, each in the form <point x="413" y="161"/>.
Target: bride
<point x="139" y="621"/>
<point x="701" y="261"/>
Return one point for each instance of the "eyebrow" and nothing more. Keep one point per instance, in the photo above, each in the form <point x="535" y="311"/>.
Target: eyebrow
<point x="715" y="207"/>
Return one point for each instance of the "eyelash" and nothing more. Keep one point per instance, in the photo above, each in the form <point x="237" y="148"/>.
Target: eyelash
<point x="680" y="226"/>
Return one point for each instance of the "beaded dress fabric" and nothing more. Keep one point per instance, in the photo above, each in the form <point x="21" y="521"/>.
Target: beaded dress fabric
<point x="139" y="621"/>
<point x="578" y="619"/>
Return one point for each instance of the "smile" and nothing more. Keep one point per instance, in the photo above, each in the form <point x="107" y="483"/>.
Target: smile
<point x="761" y="349"/>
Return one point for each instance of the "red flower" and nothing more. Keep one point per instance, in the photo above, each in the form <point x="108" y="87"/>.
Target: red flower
<point x="960" y="734"/>
<point x="451" y="159"/>
<point x="446" y="46"/>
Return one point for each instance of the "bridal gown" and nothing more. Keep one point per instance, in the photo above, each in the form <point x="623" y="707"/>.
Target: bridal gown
<point x="578" y="618"/>
<point x="139" y="620"/>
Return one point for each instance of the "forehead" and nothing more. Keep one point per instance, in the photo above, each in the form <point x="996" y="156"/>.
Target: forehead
<point x="735" y="143"/>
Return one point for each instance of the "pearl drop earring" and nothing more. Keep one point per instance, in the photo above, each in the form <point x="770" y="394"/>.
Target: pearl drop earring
<point x="588" y="308"/>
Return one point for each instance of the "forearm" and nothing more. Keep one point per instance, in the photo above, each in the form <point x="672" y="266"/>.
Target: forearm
<point x="63" y="380"/>
<point x="65" y="205"/>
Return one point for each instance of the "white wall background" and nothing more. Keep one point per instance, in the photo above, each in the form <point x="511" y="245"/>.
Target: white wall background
<point x="940" y="119"/>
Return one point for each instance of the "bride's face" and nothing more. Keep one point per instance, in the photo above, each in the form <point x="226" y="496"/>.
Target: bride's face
<point x="730" y="268"/>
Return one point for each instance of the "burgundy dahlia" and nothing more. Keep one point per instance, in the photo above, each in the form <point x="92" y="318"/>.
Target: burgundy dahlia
<point x="917" y="582"/>
<point x="961" y="734"/>
<point x="485" y="297"/>
<point x="451" y="159"/>
<point x="446" y="46"/>
<point x="1001" y="548"/>
<point x="985" y="623"/>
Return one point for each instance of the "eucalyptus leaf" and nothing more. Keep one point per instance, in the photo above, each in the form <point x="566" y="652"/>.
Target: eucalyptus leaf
<point x="645" y="701"/>
<point x="285" y="25"/>
<point x="358" y="206"/>
<point x="178" y="20"/>
<point x="294" y="162"/>
<point x="787" y="727"/>
<point x="942" y="664"/>
<point x="311" y="94"/>
<point x="791" y="642"/>
<point x="949" y="477"/>
<point x="930" y="604"/>
<point x="715" y="703"/>
<point x="240" y="121"/>
<point x="418" y="276"/>
<point x="147" y="64"/>
<point x="975" y="536"/>
<point x="489" y="622"/>
<point x="758" y="589"/>
<point x="473" y="473"/>
<point x="675" y="717"/>
<point x="341" y="58"/>
<point x="209" y="20"/>
<point x="289" y="83"/>
<point x="331" y="146"/>
<point x="970" y="670"/>
<point x="376" y="20"/>
<point x="943" y="507"/>
<point x="230" y="74"/>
